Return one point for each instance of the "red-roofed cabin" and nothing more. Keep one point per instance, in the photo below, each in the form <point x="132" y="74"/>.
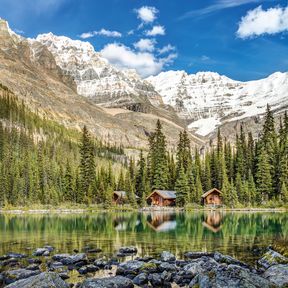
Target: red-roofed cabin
<point x="162" y="198"/>
<point x="212" y="197"/>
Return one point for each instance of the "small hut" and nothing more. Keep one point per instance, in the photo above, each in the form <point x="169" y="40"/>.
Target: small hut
<point x="162" y="198"/>
<point x="212" y="197"/>
<point x="119" y="197"/>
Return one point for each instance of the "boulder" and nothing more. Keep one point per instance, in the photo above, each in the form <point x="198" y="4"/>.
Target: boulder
<point x="141" y="279"/>
<point x="231" y="276"/>
<point x="165" y="266"/>
<point x="16" y="255"/>
<point x="111" y="282"/>
<point x="43" y="280"/>
<point x="130" y="267"/>
<point x="272" y="257"/>
<point x="88" y="269"/>
<point x="67" y="259"/>
<point x="200" y="266"/>
<point x="41" y="252"/>
<point x="278" y="275"/>
<point x="228" y="260"/>
<point x="196" y="255"/>
<point x="15" y="275"/>
<point x="167" y="256"/>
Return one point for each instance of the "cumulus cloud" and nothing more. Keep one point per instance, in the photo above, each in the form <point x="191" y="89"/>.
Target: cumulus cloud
<point x="166" y="49"/>
<point x="102" y="32"/>
<point x="156" y="30"/>
<point x="145" y="45"/>
<point x="144" y="63"/>
<point x="147" y="14"/>
<point x="258" y="21"/>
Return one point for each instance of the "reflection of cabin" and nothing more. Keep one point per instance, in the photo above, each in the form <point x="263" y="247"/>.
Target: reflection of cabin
<point x="119" y="197"/>
<point x="212" y="197"/>
<point x="162" y="198"/>
<point x="213" y="221"/>
<point x="161" y="222"/>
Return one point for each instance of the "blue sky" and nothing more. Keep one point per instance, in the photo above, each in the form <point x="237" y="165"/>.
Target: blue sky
<point x="242" y="39"/>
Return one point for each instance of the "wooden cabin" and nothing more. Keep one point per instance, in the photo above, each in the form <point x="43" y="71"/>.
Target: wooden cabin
<point x="212" y="197"/>
<point x="162" y="198"/>
<point x="119" y="197"/>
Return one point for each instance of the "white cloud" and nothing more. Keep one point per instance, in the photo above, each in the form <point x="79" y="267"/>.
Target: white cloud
<point x="144" y="63"/>
<point x="102" y="32"/>
<point x="146" y="14"/>
<point x="145" y="45"/>
<point x="166" y="49"/>
<point x="258" y="21"/>
<point x="205" y="58"/>
<point x="156" y="30"/>
<point x="217" y="6"/>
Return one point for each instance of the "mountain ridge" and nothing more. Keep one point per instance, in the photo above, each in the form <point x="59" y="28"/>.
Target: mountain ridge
<point x="208" y="100"/>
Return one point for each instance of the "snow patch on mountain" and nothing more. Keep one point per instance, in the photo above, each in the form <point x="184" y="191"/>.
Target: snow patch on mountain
<point x="207" y="99"/>
<point x="94" y="76"/>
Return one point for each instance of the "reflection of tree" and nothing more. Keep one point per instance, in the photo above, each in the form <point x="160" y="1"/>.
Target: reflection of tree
<point x="239" y="232"/>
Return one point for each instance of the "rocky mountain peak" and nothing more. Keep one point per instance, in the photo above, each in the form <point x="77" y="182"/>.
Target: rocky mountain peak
<point x="95" y="77"/>
<point x="7" y="36"/>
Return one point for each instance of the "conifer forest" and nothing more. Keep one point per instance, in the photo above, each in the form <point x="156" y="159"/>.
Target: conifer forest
<point x="42" y="162"/>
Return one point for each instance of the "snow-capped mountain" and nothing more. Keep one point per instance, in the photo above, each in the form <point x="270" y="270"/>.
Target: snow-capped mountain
<point x="207" y="99"/>
<point x="95" y="77"/>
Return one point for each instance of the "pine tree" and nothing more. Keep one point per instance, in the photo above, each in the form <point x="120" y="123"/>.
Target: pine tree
<point x="263" y="176"/>
<point x="141" y="184"/>
<point x="182" y="189"/>
<point x="158" y="167"/>
<point x="69" y="185"/>
<point x="87" y="165"/>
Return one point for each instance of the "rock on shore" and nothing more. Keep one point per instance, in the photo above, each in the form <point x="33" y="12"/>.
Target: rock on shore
<point x="196" y="270"/>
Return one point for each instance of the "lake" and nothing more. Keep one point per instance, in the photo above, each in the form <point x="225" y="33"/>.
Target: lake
<point x="236" y="234"/>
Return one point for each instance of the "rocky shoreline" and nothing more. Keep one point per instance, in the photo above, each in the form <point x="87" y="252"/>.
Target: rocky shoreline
<point x="44" y="268"/>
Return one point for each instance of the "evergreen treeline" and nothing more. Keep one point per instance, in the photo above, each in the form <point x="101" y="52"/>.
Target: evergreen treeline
<point x="250" y="173"/>
<point x="42" y="162"/>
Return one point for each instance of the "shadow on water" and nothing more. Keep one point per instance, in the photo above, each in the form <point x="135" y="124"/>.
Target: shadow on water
<point x="236" y="234"/>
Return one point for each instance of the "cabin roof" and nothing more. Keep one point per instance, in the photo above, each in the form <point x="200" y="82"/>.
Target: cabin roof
<point x="121" y="194"/>
<point x="211" y="191"/>
<point x="165" y="194"/>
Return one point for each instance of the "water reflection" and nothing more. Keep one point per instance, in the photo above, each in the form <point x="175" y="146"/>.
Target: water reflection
<point x="213" y="220"/>
<point x="233" y="233"/>
<point x="162" y="221"/>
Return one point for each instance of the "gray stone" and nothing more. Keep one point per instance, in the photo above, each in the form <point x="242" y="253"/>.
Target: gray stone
<point x="16" y="255"/>
<point x="67" y="259"/>
<point x="128" y="250"/>
<point x="196" y="255"/>
<point x="15" y="275"/>
<point x="200" y="266"/>
<point x="228" y="259"/>
<point x="88" y="269"/>
<point x="33" y="267"/>
<point x="41" y="252"/>
<point x="272" y="257"/>
<point x="278" y="275"/>
<point x="111" y="282"/>
<point x="155" y="279"/>
<point x="43" y="280"/>
<point x="130" y="267"/>
<point x="141" y="279"/>
<point x="231" y="276"/>
<point x="165" y="266"/>
<point x="167" y="256"/>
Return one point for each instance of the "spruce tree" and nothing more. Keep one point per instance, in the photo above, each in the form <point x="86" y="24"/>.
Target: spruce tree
<point x="87" y="165"/>
<point x="182" y="189"/>
<point x="263" y="176"/>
